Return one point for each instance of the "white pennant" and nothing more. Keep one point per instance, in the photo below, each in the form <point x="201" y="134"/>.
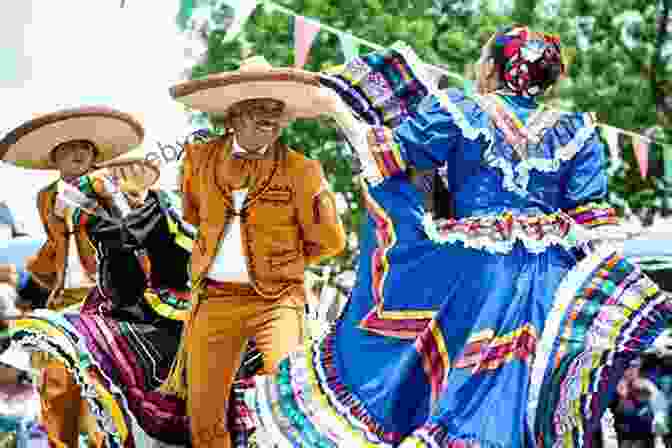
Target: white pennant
<point x="243" y="10"/>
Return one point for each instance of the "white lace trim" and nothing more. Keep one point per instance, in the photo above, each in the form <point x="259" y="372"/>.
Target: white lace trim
<point x="517" y="179"/>
<point x="489" y="240"/>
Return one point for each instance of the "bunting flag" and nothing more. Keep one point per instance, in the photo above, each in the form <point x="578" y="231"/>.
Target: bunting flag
<point x="243" y="9"/>
<point x="611" y="137"/>
<point x="185" y="12"/>
<point x="305" y="32"/>
<point x="641" y="147"/>
<point x="349" y="46"/>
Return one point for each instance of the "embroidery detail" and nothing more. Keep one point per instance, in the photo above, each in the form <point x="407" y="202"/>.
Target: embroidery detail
<point x="277" y="194"/>
<point x="594" y="215"/>
<point x="499" y="233"/>
<point x="485" y="351"/>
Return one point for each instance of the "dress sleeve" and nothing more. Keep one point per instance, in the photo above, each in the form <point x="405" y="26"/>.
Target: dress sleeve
<point x="425" y="140"/>
<point x="586" y="188"/>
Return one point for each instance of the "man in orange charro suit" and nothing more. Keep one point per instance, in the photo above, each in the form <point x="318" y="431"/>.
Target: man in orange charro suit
<point x="264" y="212"/>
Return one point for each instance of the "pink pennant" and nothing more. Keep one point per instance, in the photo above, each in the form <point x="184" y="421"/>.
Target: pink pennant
<point x="641" y="146"/>
<point x="304" y="35"/>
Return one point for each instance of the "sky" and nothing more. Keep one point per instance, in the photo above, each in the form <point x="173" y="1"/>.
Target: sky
<point x="65" y="54"/>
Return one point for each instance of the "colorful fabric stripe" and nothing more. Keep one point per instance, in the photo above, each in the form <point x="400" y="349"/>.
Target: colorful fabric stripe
<point x="386" y="152"/>
<point x="305" y="404"/>
<point x="590" y="338"/>
<point x="593" y="215"/>
<point x="605" y="313"/>
<point x="169" y="303"/>
<point x="431" y="345"/>
<point x="484" y="351"/>
<point x="402" y="324"/>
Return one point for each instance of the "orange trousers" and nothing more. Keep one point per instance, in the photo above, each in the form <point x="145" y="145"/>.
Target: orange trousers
<point x="65" y="414"/>
<point x="223" y="322"/>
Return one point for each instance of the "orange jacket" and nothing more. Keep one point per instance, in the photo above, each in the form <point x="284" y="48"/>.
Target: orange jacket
<point x="289" y="219"/>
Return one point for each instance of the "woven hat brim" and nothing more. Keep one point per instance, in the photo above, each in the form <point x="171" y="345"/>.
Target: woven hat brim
<point x="298" y="89"/>
<point x="113" y="132"/>
<point x="141" y="172"/>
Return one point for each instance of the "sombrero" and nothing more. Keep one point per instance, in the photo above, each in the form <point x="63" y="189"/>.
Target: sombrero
<point x="113" y="132"/>
<point x="255" y="79"/>
<point x="133" y="172"/>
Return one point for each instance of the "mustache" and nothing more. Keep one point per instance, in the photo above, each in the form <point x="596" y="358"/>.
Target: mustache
<point x="271" y="122"/>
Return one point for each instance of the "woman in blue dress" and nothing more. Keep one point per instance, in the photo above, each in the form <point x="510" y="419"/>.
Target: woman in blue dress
<point x="499" y="327"/>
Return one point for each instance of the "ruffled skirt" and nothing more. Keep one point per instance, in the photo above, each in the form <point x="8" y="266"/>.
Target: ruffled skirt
<point x="527" y="354"/>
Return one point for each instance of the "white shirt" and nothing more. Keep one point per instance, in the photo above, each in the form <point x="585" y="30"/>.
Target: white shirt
<point x="230" y="264"/>
<point x="237" y="149"/>
<point x="75" y="274"/>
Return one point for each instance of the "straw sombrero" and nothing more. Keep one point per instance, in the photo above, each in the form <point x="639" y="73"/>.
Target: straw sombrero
<point x="255" y="79"/>
<point x="135" y="173"/>
<point x="113" y="132"/>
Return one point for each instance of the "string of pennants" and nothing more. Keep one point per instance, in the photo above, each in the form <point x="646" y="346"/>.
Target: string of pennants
<point x="307" y="29"/>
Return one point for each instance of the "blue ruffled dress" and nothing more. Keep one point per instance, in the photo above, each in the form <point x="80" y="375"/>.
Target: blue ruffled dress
<point x="493" y="329"/>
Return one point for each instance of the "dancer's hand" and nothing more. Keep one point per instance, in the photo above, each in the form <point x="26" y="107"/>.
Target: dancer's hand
<point x="55" y="300"/>
<point x="660" y="424"/>
<point x="9" y="274"/>
<point x="328" y="100"/>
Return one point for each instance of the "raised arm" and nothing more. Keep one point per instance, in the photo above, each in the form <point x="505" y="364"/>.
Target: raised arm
<point x="425" y="140"/>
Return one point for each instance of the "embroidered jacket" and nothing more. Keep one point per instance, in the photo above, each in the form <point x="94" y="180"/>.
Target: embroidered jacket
<point x="288" y="220"/>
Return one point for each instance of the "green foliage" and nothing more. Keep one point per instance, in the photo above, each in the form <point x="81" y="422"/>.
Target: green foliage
<point x="607" y="78"/>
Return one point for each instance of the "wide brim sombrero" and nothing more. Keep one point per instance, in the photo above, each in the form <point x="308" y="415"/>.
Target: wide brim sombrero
<point x="113" y="132"/>
<point x="255" y="79"/>
<point x="133" y="172"/>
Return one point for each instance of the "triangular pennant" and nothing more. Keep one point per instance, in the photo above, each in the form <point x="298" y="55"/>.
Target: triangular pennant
<point x="185" y="12"/>
<point x="349" y="46"/>
<point x="304" y="35"/>
<point x="243" y="9"/>
<point x="611" y="136"/>
<point x="469" y="87"/>
<point x="641" y="148"/>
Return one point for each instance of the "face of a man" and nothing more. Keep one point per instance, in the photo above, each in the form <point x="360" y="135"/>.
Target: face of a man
<point x="73" y="159"/>
<point x="259" y="123"/>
